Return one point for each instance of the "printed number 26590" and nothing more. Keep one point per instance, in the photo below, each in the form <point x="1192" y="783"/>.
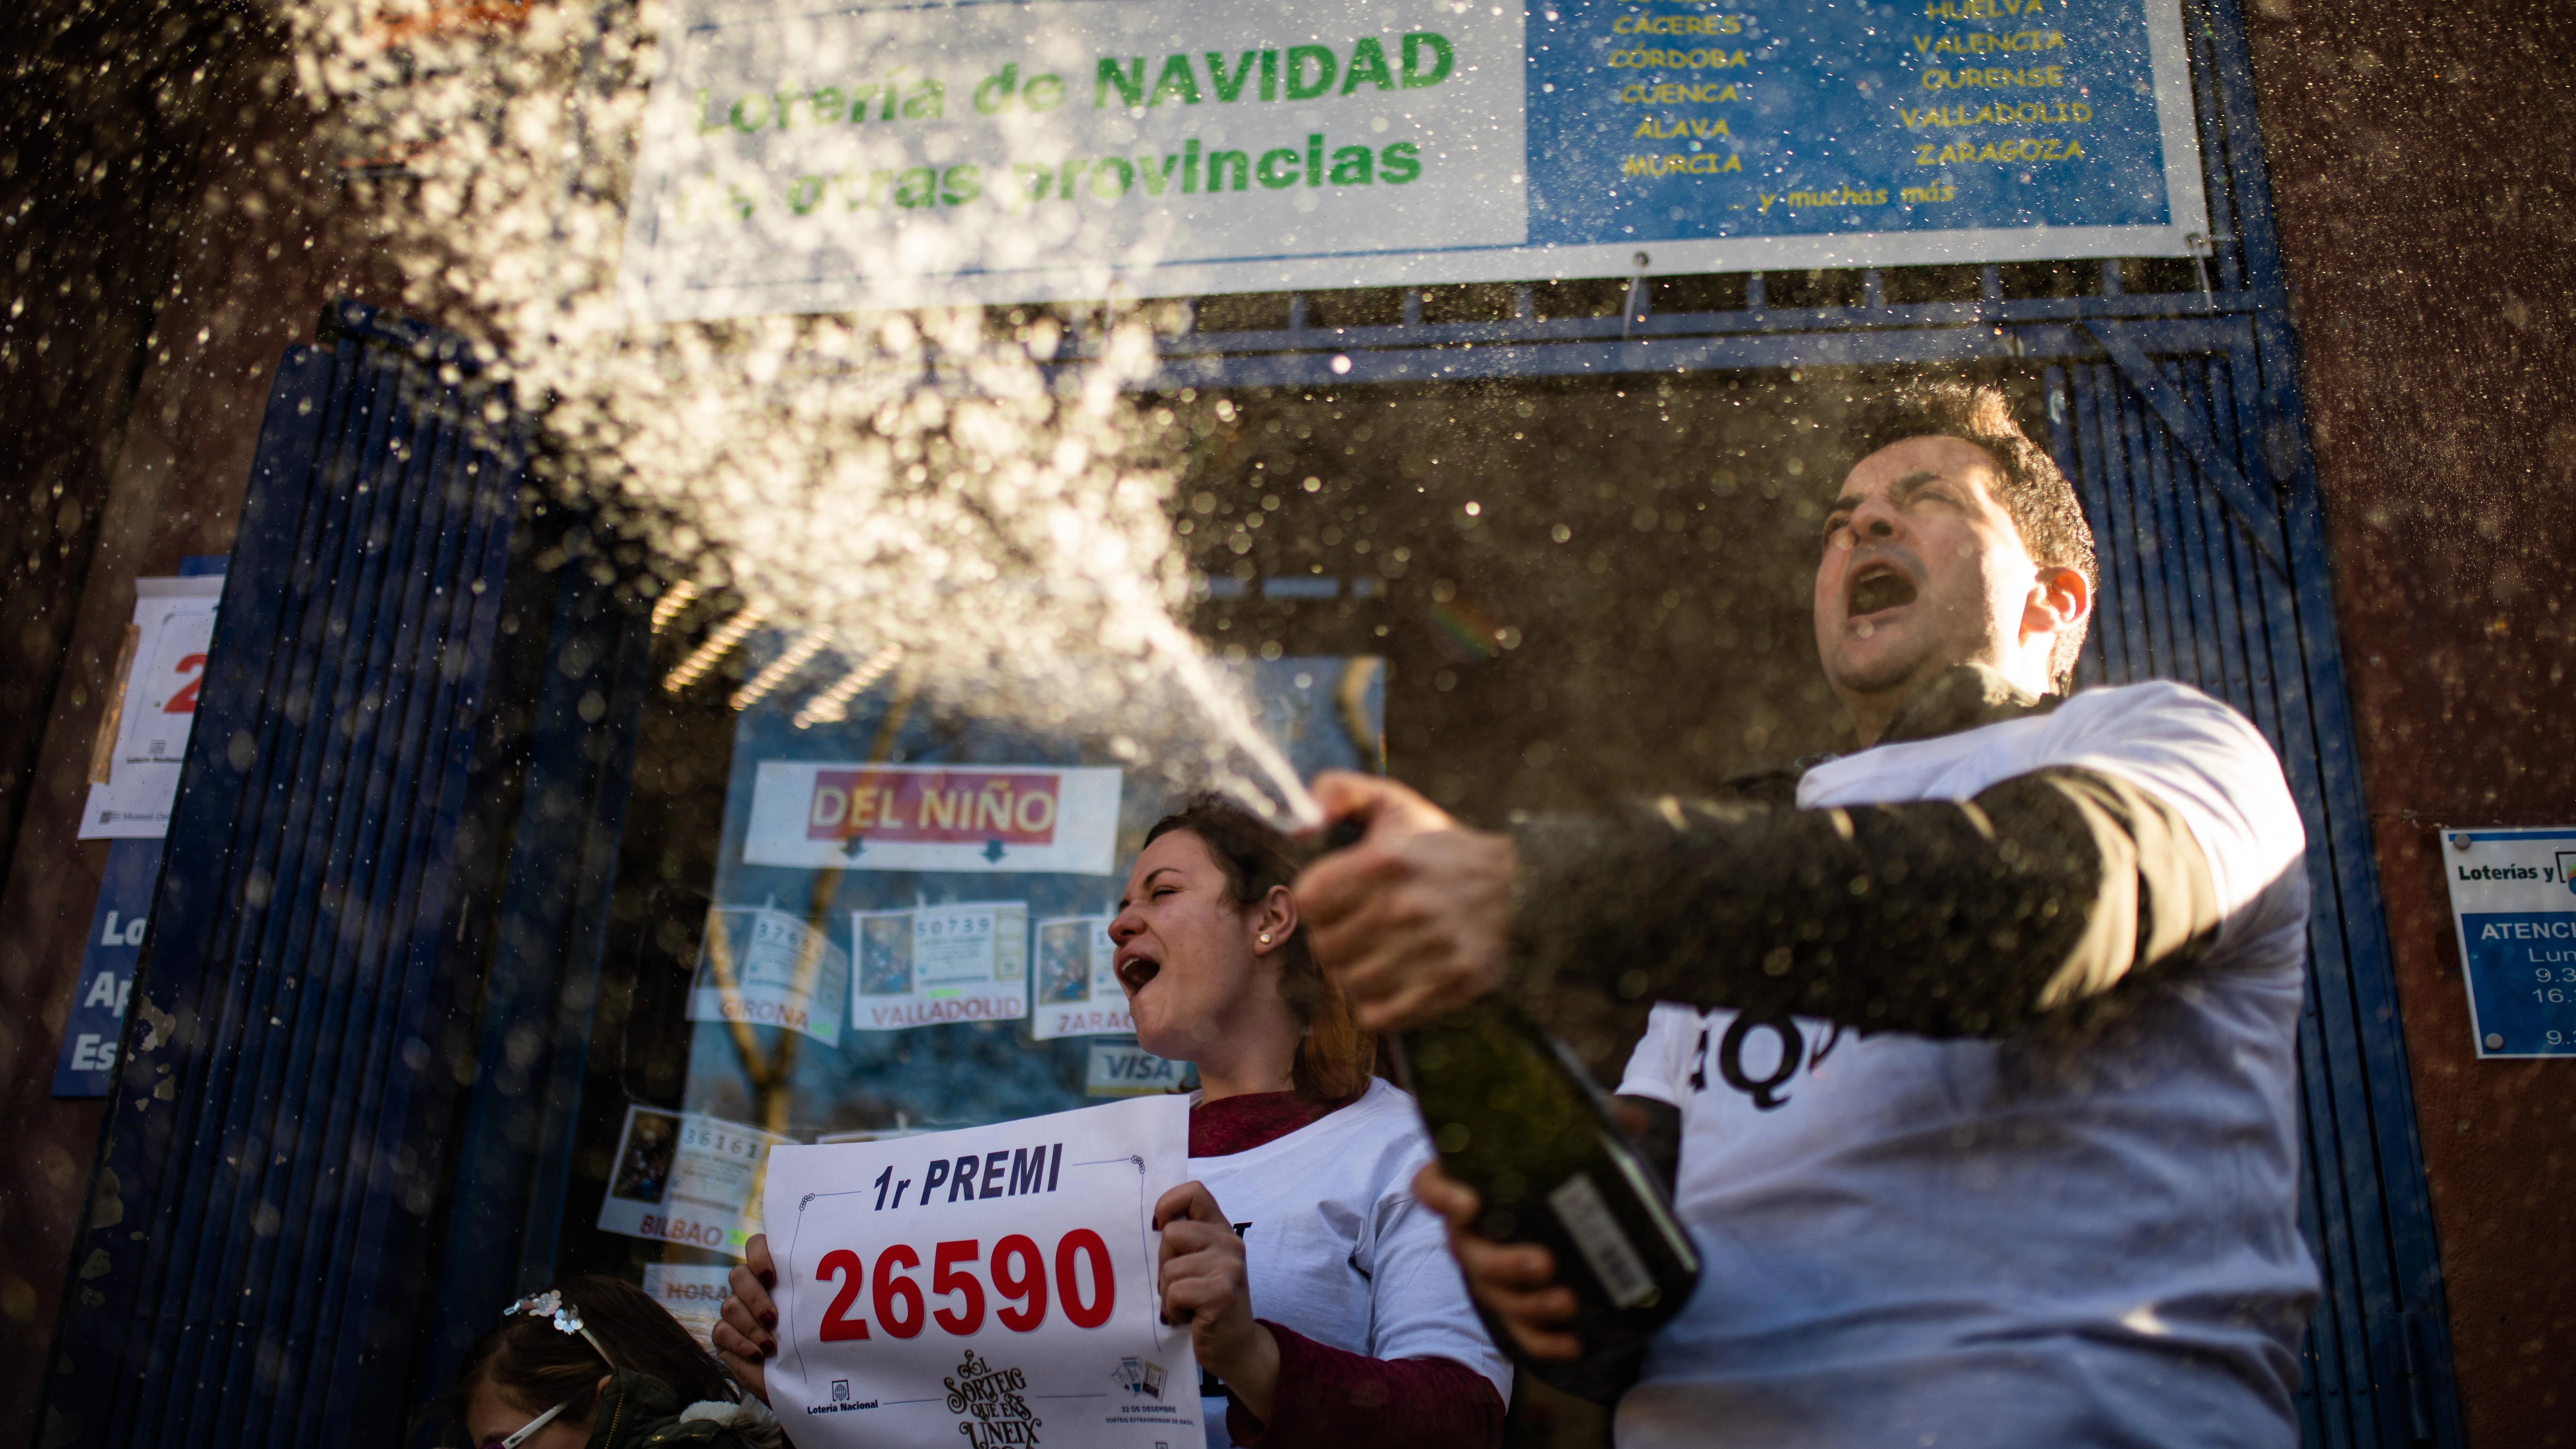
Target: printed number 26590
<point x="1019" y="1281"/>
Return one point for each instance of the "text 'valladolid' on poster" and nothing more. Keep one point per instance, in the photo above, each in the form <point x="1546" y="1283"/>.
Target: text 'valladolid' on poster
<point x="931" y="965"/>
<point x="1014" y="819"/>
<point x="892" y="154"/>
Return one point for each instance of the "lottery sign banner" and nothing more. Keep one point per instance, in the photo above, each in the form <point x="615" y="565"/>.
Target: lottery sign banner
<point x="895" y="153"/>
<point x="1010" y="819"/>
<point x="684" y="1177"/>
<point x="2513" y="900"/>
<point x="995" y="1284"/>
<point x="1077" y="992"/>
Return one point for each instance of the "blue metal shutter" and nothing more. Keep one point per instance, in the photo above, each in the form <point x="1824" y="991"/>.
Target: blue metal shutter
<point x="253" y="1266"/>
<point x="2207" y="580"/>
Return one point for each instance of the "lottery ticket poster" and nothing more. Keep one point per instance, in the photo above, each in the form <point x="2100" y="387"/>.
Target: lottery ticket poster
<point x="684" y="1177"/>
<point x="1077" y="992"/>
<point x="693" y="1293"/>
<point x="135" y="782"/>
<point x="768" y="968"/>
<point x="899" y="813"/>
<point x="992" y="1283"/>
<point x="935" y="964"/>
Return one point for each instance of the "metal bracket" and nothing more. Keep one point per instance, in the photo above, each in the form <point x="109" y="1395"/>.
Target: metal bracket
<point x="2250" y="505"/>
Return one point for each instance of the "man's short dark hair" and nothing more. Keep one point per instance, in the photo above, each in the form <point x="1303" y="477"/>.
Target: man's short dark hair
<point x="2042" y="504"/>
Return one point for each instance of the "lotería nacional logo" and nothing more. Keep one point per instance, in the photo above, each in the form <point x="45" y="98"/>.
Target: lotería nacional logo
<point x="1140" y="1377"/>
<point x="992" y="1398"/>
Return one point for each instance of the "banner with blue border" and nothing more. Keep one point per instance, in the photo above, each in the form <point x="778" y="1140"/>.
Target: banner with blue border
<point x="798" y="157"/>
<point x="2515" y="906"/>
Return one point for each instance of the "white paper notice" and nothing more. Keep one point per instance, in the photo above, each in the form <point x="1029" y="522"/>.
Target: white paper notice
<point x="694" y="1293"/>
<point x="768" y="968"/>
<point x="1010" y="819"/>
<point x="687" y="1178"/>
<point x="995" y="1283"/>
<point x="1077" y="992"/>
<point x="174" y="620"/>
<point x="931" y="964"/>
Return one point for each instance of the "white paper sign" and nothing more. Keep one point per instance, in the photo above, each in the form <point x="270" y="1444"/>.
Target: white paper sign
<point x="768" y="968"/>
<point x="683" y="1177"/>
<point x="797" y="158"/>
<point x="693" y="1293"/>
<point x="994" y="1284"/>
<point x="1077" y="992"/>
<point x="932" y="964"/>
<point x="1012" y="819"/>
<point x="174" y="621"/>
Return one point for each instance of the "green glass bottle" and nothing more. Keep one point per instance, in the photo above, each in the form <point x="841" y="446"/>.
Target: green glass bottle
<point x="1516" y="1117"/>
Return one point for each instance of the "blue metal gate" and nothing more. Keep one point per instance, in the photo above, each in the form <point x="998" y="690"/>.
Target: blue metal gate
<point x="258" y="1245"/>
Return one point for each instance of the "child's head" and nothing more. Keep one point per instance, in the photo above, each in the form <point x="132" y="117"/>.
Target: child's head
<point x="527" y="1365"/>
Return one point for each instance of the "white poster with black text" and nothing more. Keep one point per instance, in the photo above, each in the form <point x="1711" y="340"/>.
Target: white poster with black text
<point x="993" y="1283"/>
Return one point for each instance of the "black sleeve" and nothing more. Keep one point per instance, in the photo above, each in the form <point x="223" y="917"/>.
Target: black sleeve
<point x="1946" y="918"/>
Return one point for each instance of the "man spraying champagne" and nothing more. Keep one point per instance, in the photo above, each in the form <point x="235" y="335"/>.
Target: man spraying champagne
<point x="1979" y="1044"/>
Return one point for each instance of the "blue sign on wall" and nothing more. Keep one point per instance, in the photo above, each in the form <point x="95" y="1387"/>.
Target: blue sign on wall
<point x="2516" y="909"/>
<point x="1681" y="122"/>
<point x="890" y="155"/>
<point x="115" y="941"/>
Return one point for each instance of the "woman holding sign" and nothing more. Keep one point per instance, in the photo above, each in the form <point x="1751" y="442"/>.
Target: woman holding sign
<point x="1301" y="1209"/>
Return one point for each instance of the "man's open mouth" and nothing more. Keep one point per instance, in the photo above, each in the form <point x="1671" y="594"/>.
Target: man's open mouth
<point x="1876" y="587"/>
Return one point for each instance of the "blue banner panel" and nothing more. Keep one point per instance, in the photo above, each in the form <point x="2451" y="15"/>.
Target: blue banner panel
<point x="88" y="1059"/>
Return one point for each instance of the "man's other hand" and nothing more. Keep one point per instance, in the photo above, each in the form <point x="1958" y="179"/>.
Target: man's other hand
<point x="1515" y="1281"/>
<point x="1414" y="919"/>
<point x="746" y="1331"/>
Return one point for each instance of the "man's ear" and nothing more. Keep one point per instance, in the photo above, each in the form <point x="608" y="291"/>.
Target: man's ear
<point x="2059" y="600"/>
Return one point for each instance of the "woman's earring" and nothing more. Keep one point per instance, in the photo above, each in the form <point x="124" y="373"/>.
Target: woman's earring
<point x="1265" y="938"/>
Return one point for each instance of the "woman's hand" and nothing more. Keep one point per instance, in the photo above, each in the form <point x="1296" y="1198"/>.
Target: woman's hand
<point x="1516" y="1281"/>
<point x="746" y="1332"/>
<point x="1205" y="1289"/>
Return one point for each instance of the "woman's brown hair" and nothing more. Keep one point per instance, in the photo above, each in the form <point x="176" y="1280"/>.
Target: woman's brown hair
<point x="1334" y="1059"/>
<point x="537" y="1365"/>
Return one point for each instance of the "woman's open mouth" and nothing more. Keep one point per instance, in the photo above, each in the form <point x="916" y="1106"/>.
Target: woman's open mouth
<point x="1134" y="970"/>
<point x="1876" y="588"/>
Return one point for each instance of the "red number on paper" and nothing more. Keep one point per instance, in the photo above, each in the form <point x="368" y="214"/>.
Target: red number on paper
<point x="185" y="701"/>
<point x="843" y="1264"/>
<point x="1028" y="1281"/>
<point x="1019" y="1281"/>
<point x="946" y="1277"/>
<point x="892" y="1290"/>
<point x="1068" y="1288"/>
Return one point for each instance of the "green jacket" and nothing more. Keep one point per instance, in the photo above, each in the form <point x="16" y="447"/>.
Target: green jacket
<point x="638" y="1409"/>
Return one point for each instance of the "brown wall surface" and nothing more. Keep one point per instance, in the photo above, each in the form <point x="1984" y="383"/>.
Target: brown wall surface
<point x="262" y="247"/>
<point x="2427" y="207"/>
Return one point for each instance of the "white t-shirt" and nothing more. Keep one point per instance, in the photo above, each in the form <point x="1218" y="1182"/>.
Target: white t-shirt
<point x="2021" y="1241"/>
<point x="1336" y="1247"/>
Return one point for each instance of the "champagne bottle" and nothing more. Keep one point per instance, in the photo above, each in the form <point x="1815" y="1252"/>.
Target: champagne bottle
<point x="1516" y="1117"/>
